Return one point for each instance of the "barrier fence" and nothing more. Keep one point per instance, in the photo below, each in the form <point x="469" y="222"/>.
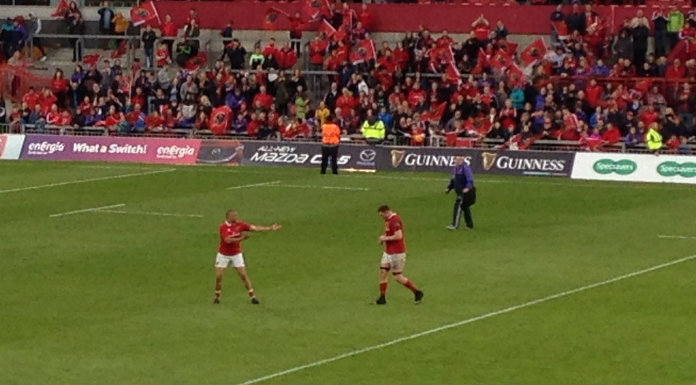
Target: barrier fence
<point x="594" y="166"/>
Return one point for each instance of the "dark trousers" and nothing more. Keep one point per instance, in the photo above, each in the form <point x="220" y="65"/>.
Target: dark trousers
<point x="326" y="152"/>
<point x="463" y="206"/>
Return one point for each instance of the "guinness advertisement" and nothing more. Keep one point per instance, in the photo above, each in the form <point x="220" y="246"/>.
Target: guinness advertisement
<point x="307" y="154"/>
<point x="481" y="161"/>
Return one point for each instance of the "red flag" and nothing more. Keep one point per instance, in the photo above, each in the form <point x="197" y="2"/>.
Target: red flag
<point x="316" y="9"/>
<point x="327" y="28"/>
<point x="124" y="85"/>
<point x="439" y="56"/>
<point x="196" y="62"/>
<point x="271" y="18"/>
<point x="347" y="23"/>
<point x="144" y="13"/>
<point x="501" y="60"/>
<point x="515" y="75"/>
<point x="533" y="52"/>
<point x="481" y="62"/>
<point x="91" y="59"/>
<point x="508" y="46"/>
<point x="435" y="113"/>
<point x="120" y="50"/>
<point x="220" y="119"/>
<point x="61" y="9"/>
<point x="363" y="51"/>
<point x="453" y="74"/>
<point x="560" y="27"/>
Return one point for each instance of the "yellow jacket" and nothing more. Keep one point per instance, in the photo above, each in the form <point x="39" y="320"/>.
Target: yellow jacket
<point x="653" y="140"/>
<point x="373" y="131"/>
<point x="120" y="23"/>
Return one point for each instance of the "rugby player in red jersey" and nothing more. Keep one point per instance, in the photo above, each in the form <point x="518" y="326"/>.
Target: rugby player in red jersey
<point x="230" y="251"/>
<point x="394" y="257"/>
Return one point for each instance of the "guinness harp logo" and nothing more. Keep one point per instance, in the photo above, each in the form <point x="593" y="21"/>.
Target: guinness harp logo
<point x="397" y="156"/>
<point x="488" y="160"/>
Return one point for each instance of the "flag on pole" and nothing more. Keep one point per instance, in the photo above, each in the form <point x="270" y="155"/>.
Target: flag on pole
<point x="533" y="52"/>
<point x="327" y="28"/>
<point x="144" y="13"/>
<point x="363" y="51"/>
<point x="316" y="9"/>
<point x="501" y="60"/>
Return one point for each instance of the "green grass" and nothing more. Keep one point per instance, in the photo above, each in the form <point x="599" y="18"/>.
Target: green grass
<point x="97" y="298"/>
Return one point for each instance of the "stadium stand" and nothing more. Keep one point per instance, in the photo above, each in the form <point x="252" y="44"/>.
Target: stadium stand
<point x="588" y="77"/>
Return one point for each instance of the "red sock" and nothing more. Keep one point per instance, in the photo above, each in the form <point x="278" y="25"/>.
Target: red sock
<point x="382" y="288"/>
<point x="410" y="285"/>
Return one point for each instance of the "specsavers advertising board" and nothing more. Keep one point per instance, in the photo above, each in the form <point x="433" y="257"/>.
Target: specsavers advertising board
<point x="635" y="167"/>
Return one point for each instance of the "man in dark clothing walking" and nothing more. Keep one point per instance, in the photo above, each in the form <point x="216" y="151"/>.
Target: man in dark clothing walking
<point x="462" y="183"/>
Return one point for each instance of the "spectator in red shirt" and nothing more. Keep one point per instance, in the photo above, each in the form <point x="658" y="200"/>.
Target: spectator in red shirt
<point x="59" y="87"/>
<point x="346" y="102"/>
<point x="169" y="32"/>
<point x="416" y="94"/>
<point x="675" y="71"/>
<point x="365" y="18"/>
<point x="263" y="99"/>
<point x="297" y="25"/>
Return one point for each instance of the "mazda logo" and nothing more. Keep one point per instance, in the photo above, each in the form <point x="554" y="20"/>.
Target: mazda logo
<point x="368" y="155"/>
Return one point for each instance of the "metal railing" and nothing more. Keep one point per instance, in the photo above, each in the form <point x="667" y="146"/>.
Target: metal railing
<point x="492" y="144"/>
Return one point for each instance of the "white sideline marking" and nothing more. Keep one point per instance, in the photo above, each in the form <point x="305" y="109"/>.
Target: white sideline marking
<point x="86" y="180"/>
<point x="466" y="321"/>
<point x="149" y="213"/>
<point x="320" y="187"/>
<point x="253" y="185"/>
<point x="86" y="210"/>
<point x="675" y="237"/>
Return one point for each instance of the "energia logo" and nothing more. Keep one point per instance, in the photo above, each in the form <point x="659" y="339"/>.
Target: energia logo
<point x="685" y="170"/>
<point x="621" y="167"/>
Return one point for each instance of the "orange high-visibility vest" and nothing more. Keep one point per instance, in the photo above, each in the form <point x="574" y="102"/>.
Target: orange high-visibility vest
<point x="330" y="134"/>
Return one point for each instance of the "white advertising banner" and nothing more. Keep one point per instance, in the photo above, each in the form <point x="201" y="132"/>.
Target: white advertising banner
<point x="11" y="146"/>
<point x="635" y="167"/>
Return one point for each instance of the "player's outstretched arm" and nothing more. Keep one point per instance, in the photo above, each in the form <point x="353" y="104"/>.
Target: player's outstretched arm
<point x="273" y="227"/>
<point x="232" y="239"/>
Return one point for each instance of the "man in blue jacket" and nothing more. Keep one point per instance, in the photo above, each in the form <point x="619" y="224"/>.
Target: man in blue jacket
<point x="462" y="183"/>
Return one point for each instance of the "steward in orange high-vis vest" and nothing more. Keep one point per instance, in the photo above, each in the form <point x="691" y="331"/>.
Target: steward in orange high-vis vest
<point x="330" y="137"/>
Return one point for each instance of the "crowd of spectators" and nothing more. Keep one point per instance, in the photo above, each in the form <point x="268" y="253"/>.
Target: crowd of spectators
<point x="582" y="89"/>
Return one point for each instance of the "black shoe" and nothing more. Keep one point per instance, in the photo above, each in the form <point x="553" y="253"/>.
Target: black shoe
<point x="381" y="300"/>
<point x="255" y="300"/>
<point x="216" y="300"/>
<point x="419" y="296"/>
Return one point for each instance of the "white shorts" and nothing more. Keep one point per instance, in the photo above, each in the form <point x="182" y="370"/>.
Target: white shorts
<point x="395" y="262"/>
<point x="225" y="261"/>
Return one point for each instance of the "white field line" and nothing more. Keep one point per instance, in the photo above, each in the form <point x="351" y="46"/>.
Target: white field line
<point x="149" y="213"/>
<point x="87" y="210"/>
<point x="445" y="179"/>
<point x="320" y="187"/>
<point x="675" y="237"/>
<point x="85" y="180"/>
<point x="466" y="321"/>
<point x="253" y="185"/>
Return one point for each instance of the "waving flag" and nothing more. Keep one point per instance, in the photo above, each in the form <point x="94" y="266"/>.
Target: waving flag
<point x="326" y="28"/>
<point x="501" y="60"/>
<point x="533" y="52"/>
<point x="363" y="51"/>
<point x="453" y="75"/>
<point x="271" y="18"/>
<point x="91" y="59"/>
<point x="61" y="9"/>
<point x="316" y="9"/>
<point x="515" y="75"/>
<point x="144" y="13"/>
<point x="220" y="119"/>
